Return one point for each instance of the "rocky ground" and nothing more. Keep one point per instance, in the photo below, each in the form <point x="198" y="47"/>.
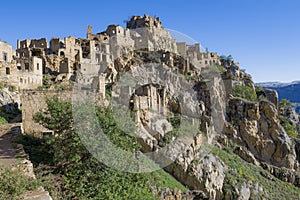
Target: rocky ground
<point x="13" y="156"/>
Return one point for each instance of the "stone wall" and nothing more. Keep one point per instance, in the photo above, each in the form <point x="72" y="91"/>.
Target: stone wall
<point x="34" y="101"/>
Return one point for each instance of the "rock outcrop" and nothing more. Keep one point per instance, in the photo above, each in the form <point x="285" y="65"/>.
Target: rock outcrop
<point x="9" y="101"/>
<point x="259" y="129"/>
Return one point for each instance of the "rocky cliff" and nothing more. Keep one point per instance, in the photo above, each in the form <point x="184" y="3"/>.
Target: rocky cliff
<point x="252" y="129"/>
<point x="206" y="126"/>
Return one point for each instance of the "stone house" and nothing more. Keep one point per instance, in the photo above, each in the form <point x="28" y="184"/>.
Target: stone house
<point x="194" y="55"/>
<point x="6" y="52"/>
<point x="23" y="73"/>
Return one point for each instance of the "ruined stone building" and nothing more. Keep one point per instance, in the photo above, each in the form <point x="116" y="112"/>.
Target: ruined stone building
<point x="92" y="60"/>
<point x="194" y="55"/>
<point x="23" y="73"/>
<point x="7" y="52"/>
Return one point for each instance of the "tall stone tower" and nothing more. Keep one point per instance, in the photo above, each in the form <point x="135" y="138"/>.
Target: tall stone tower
<point x="89" y="31"/>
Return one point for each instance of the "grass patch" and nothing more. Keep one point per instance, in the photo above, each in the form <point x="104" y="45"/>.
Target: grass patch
<point x="14" y="184"/>
<point x="165" y="180"/>
<point x="241" y="172"/>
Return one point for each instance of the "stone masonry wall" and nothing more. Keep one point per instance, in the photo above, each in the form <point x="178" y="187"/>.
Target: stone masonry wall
<point x="34" y="101"/>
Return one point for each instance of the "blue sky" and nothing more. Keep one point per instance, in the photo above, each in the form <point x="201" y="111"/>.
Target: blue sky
<point x="263" y="35"/>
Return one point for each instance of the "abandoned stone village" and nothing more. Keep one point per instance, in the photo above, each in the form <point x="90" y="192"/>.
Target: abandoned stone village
<point x="93" y="61"/>
<point x="40" y="69"/>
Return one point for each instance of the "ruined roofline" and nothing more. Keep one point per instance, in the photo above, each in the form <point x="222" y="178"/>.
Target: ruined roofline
<point x="5" y="42"/>
<point x="145" y="21"/>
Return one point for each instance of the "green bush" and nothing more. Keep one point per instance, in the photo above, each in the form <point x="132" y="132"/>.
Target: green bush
<point x="14" y="184"/>
<point x="284" y="103"/>
<point x="244" y="92"/>
<point x="46" y="82"/>
<point x="258" y="89"/>
<point x="7" y="115"/>
<point x="289" y="128"/>
<point x="12" y="88"/>
<point x="3" y="120"/>
<point x="1" y="85"/>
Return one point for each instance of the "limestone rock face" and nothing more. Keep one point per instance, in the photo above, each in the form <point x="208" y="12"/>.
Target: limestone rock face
<point x="246" y="155"/>
<point x="40" y="194"/>
<point x="9" y="100"/>
<point x="206" y="173"/>
<point x="210" y="172"/>
<point x="271" y="95"/>
<point x="26" y="168"/>
<point x="176" y="194"/>
<point x="259" y="128"/>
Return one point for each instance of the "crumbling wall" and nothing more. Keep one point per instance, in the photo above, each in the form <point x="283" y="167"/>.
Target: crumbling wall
<point x="27" y="73"/>
<point x="143" y="21"/>
<point x="28" y="48"/>
<point x="34" y="101"/>
<point x="6" y="52"/>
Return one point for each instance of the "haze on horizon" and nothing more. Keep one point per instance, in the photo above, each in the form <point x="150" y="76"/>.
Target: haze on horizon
<point x="263" y="36"/>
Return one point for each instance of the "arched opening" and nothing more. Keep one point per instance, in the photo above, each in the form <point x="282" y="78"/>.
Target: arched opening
<point x="62" y="53"/>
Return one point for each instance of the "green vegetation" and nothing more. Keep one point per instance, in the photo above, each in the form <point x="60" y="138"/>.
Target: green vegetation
<point x="46" y="83"/>
<point x="12" y="88"/>
<point x="14" y="184"/>
<point x="258" y="89"/>
<point x="240" y="172"/>
<point x="229" y="57"/>
<point x="215" y="68"/>
<point x="6" y="115"/>
<point x="108" y="91"/>
<point x="3" y="120"/>
<point x="1" y="85"/>
<point x="289" y="128"/>
<point x="145" y="56"/>
<point x="244" y="92"/>
<point x="285" y="103"/>
<point x="67" y="169"/>
<point x="175" y="122"/>
<point x="60" y="87"/>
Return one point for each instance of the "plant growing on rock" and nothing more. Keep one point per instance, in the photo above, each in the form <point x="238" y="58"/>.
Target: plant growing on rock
<point x="244" y="92"/>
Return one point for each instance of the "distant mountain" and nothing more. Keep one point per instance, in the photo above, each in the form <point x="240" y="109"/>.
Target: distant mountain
<point x="277" y="84"/>
<point x="290" y="91"/>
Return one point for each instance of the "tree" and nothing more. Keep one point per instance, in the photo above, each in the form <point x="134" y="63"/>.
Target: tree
<point x="285" y="103"/>
<point x="230" y="58"/>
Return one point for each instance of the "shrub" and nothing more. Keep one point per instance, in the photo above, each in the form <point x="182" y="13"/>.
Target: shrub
<point x="244" y="92"/>
<point x="284" y="103"/>
<point x="3" y="120"/>
<point x="1" y="85"/>
<point x="258" y="89"/>
<point x="46" y="82"/>
<point x="14" y="184"/>
<point x="289" y="128"/>
<point x="12" y="88"/>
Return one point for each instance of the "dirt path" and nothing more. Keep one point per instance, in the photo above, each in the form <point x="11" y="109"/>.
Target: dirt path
<point x="9" y="152"/>
<point x="11" y="155"/>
